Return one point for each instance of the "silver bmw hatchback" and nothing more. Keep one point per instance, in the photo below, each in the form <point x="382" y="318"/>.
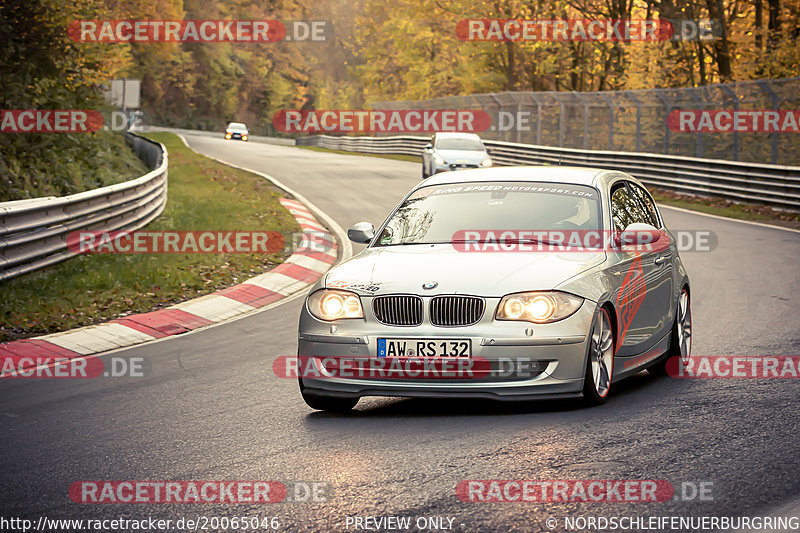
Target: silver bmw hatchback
<point x="511" y="283"/>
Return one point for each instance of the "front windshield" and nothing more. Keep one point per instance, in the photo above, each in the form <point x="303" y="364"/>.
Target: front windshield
<point x="437" y="213"/>
<point x="236" y="126"/>
<point x="459" y="143"/>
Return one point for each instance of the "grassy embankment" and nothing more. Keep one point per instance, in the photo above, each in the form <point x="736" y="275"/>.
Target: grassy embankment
<point x="203" y="195"/>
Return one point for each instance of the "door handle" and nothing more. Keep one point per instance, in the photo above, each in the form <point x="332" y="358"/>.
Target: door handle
<point x="660" y="259"/>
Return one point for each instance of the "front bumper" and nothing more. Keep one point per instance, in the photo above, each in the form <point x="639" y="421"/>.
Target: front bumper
<point x="449" y="167"/>
<point x="549" y="363"/>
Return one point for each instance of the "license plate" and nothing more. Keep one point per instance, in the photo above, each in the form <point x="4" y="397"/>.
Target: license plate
<point x="455" y="348"/>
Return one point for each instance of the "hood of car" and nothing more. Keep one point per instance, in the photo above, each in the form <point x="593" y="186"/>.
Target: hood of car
<point x="405" y="268"/>
<point x="463" y="156"/>
<point x="235" y="130"/>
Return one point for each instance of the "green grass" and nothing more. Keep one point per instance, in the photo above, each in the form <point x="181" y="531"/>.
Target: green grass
<point x="84" y="161"/>
<point x="396" y="157"/>
<point x="714" y="206"/>
<point x="725" y="208"/>
<point x="202" y="195"/>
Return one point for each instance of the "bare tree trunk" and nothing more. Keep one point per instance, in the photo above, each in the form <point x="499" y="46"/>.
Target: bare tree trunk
<point x="701" y="62"/>
<point x="774" y="24"/>
<point x="721" y="48"/>
<point x="759" y="7"/>
<point x="511" y="75"/>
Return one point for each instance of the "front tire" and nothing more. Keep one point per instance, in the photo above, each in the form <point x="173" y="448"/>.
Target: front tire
<point x="330" y="403"/>
<point x="326" y="403"/>
<point x="600" y="363"/>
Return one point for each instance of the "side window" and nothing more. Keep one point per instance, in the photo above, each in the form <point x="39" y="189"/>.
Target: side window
<point x="649" y="207"/>
<point x="625" y="209"/>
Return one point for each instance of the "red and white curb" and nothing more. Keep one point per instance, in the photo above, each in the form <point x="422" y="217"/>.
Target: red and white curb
<point x="315" y="254"/>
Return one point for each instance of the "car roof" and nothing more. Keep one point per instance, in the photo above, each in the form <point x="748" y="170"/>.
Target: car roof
<point x="552" y="174"/>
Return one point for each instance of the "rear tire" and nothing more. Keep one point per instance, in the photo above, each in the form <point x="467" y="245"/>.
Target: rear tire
<point x="600" y="363"/>
<point x="680" y="340"/>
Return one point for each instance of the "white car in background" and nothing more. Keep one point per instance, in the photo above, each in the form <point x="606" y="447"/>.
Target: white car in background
<point x="236" y="130"/>
<point x="454" y="151"/>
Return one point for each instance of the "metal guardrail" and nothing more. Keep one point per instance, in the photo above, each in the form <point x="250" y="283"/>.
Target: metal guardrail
<point x="33" y="233"/>
<point x="774" y="185"/>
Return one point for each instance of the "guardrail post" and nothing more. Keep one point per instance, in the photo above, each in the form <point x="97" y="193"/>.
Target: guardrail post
<point x="764" y="85"/>
<point x="638" y="104"/>
<point x="585" y="119"/>
<point x="562" y="119"/>
<point x="667" y="111"/>
<point x="698" y="149"/>
<point x="493" y="96"/>
<point x="535" y="98"/>
<point x="725" y="88"/>
<point x="610" y="119"/>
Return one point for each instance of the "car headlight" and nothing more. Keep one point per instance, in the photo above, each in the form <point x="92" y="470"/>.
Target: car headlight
<point x="438" y="160"/>
<point x="486" y="162"/>
<point x="244" y="137"/>
<point x="333" y="304"/>
<point x="227" y="135"/>
<point x="538" y="307"/>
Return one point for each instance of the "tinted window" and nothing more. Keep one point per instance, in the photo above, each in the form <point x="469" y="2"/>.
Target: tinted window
<point x="459" y="143"/>
<point x="434" y="214"/>
<point x="625" y="209"/>
<point x="650" y="212"/>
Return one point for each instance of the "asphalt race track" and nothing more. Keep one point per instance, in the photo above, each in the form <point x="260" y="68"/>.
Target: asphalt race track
<point x="212" y="409"/>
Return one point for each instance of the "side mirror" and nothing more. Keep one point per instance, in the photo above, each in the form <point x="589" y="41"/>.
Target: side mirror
<point x="638" y="234"/>
<point x="361" y="233"/>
